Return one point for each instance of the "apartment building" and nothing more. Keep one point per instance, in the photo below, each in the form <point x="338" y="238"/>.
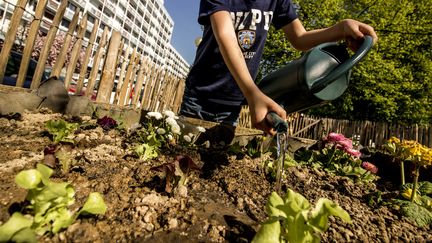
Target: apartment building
<point x="144" y="24"/>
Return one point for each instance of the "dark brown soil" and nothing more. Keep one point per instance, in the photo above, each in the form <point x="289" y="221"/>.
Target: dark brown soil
<point x="225" y="202"/>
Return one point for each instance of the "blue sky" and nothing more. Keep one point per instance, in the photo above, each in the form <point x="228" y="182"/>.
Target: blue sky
<point x="186" y="28"/>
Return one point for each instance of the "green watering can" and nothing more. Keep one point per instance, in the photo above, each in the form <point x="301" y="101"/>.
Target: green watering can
<point x="322" y="74"/>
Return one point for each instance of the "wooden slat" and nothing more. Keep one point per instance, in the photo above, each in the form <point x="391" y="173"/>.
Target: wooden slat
<point x="61" y="58"/>
<point x="96" y="62"/>
<point x="140" y="80"/>
<point x="109" y="69"/>
<point x="76" y="51"/>
<point x="125" y="61"/>
<point x="30" y="41"/>
<point x="86" y="60"/>
<point x="126" y="83"/>
<point x="40" y="67"/>
<point x="10" y="36"/>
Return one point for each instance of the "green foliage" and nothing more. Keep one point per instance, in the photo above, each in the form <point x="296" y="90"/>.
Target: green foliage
<point x="61" y="130"/>
<point x="393" y="83"/>
<point x="271" y="169"/>
<point x="48" y="204"/>
<point x="162" y="130"/>
<point x="251" y="149"/>
<point x="337" y="161"/>
<point x="292" y="219"/>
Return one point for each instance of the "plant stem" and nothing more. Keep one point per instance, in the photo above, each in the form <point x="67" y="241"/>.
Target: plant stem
<point x="331" y="158"/>
<point x="414" y="187"/>
<point x="402" y="171"/>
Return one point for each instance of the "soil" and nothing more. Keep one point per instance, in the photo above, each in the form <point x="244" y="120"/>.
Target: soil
<point x="224" y="202"/>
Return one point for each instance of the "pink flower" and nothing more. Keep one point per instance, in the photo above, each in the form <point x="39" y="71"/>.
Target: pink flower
<point x="370" y="167"/>
<point x="346" y="143"/>
<point x="340" y="140"/>
<point x="353" y="152"/>
<point x="334" y="137"/>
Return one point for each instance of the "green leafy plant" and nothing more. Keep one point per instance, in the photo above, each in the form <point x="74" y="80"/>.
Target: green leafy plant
<point x="48" y="206"/>
<point x="61" y="130"/>
<point x="161" y="130"/>
<point x="338" y="156"/>
<point x="176" y="172"/>
<point x="253" y="148"/>
<point x="417" y="206"/>
<point x="293" y="219"/>
<point x="270" y="169"/>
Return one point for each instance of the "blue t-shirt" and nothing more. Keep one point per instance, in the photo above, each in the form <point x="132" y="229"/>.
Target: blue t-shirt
<point x="209" y="78"/>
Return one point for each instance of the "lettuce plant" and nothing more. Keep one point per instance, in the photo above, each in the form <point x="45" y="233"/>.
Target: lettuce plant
<point x="107" y="123"/>
<point x="48" y="206"/>
<point x="293" y="219"/>
<point x="61" y="130"/>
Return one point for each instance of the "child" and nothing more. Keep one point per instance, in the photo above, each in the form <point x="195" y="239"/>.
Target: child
<point x="227" y="59"/>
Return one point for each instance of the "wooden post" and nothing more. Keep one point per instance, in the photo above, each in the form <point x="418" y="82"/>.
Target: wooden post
<point x="126" y="85"/>
<point x="109" y="69"/>
<point x="76" y="51"/>
<point x="10" y="36"/>
<point x="61" y="58"/>
<point x="139" y="82"/>
<point x="40" y="67"/>
<point x="96" y="62"/>
<point x="147" y="87"/>
<point x="89" y="49"/>
<point x="30" y="41"/>
<point x="122" y="74"/>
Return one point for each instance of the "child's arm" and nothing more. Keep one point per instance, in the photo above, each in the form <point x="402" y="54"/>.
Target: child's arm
<point x="259" y="103"/>
<point x="351" y="30"/>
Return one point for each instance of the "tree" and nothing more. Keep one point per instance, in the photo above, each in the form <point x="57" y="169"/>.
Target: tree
<point x="393" y="83"/>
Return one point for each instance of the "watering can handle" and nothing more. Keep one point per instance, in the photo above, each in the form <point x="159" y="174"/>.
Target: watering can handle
<point x="276" y="122"/>
<point x="322" y="82"/>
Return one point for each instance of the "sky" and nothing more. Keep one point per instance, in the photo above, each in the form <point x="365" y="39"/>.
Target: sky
<point x="186" y="28"/>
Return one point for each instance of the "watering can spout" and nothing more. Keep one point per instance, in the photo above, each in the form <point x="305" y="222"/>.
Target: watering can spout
<point x="320" y="75"/>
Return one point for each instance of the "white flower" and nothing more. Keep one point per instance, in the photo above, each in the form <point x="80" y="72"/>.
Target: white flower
<point x="201" y="129"/>
<point x="190" y="134"/>
<point x="154" y="114"/>
<point x="160" y="131"/>
<point x="171" y="121"/>
<point x="187" y="138"/>
<point x="170" y="137"/>
<point x="170" y="114"/>
<point x="175" y="129"/>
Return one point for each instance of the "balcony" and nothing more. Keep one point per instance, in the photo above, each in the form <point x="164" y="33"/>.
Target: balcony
<point x="96" y="12"/>
<point x="81" y="3"/>
<point x="110" y="7"/>
<point x="53" y="4"/>
<point x="128" y="22"/>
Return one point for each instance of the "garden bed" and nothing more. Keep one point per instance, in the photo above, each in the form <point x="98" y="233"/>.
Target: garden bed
<point x="223" y="202"/>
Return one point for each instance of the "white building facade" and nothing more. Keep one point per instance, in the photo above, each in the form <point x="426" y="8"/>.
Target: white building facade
<point x="144" y="25"/>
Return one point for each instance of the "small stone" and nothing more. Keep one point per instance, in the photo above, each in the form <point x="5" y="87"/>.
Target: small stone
<point x="173" y="223"/>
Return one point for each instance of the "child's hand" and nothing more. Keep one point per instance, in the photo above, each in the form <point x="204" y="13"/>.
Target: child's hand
<point x="354" y="32"/>
<point x="260" y="105"/>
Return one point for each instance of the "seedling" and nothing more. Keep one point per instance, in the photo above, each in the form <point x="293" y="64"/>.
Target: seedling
<point x="176" y="172"/>
<point x="48" y="207"/>
<point x="61" y="130"/>
<point x="292" y="219"/>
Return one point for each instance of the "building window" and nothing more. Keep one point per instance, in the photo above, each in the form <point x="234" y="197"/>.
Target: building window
<point x="48" y="15"/>
<point x="72" y="7"/>
<point x="90" y="18"/>
<point x="65" y="23"/>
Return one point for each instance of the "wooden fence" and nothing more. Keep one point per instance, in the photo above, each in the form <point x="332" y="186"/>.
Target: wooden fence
<point x="119" y="74"/>
<point x="366" y="132"/>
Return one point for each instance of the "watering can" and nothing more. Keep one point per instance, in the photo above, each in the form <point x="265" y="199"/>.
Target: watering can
<point x="322" y="74"/>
